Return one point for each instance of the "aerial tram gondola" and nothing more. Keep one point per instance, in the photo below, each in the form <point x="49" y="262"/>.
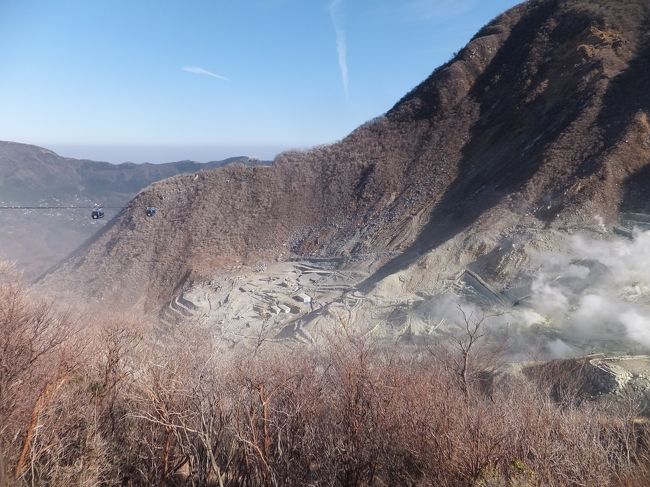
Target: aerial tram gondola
<point x="150" y="211"/>
<point x="97" y="213"/>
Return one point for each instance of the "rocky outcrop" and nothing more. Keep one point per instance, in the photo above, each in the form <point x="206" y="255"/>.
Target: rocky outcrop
<point x="622" y="381"/>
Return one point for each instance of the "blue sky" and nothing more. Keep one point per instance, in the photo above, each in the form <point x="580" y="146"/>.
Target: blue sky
<point x="204" y="79"/>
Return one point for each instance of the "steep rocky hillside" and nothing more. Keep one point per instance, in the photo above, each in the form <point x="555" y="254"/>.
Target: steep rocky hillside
<point x="537" y="127"/>
<point x="34" y="176"/>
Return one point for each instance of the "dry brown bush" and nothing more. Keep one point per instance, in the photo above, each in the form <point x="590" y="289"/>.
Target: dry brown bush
<point x="112" y="404"/>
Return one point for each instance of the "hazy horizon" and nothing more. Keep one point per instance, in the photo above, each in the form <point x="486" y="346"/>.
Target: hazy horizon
<point x="158" y="154"/>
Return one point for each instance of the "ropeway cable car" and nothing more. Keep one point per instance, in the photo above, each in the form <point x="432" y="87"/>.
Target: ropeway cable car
<point x="97" y="213"/>
<point x="151" y="211"/>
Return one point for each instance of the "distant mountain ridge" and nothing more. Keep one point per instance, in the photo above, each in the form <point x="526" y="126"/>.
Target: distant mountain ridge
<point x="35" y="176"/>
<point x="30" y="173"/>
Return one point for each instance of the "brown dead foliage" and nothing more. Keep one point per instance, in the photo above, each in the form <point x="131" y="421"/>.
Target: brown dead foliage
<point x="110" y="404"/>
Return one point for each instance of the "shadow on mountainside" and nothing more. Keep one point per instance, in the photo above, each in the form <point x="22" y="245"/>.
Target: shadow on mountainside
<point x="507" y="146"/>
<point x="86" y="244"/>
<point x="626" y="95"/>
<point x="636" y="192"/>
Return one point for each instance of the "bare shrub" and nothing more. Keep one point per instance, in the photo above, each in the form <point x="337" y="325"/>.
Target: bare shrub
<point x="34" y="365"/>
<point x="114" y="404"/>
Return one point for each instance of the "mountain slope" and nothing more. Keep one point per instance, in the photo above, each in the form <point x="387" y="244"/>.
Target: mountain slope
<point x="541" y="121"/>
<point x="29" y="174"/>
<point x="34" y="176"/>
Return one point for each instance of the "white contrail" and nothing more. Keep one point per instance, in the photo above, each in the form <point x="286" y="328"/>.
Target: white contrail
<point x="341" y="44"/>
<point x="203" y="72"/>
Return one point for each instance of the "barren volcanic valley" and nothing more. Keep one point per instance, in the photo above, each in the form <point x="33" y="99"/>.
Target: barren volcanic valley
<point x="494" y="183"/>
<point x="510" y="189"/>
